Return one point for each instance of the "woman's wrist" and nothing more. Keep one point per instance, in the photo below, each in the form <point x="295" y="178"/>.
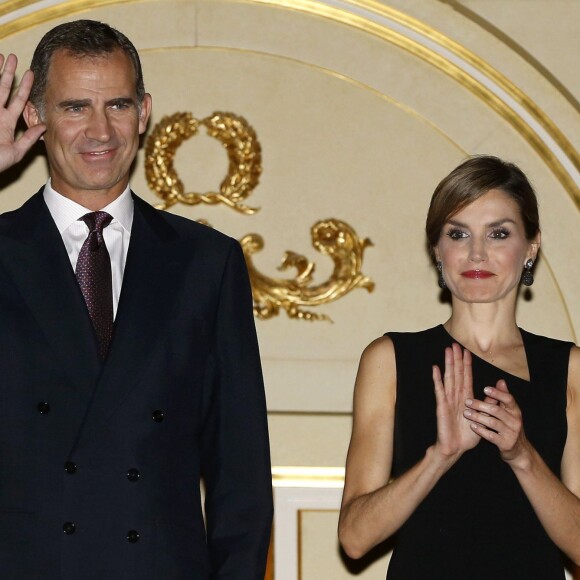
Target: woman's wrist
<point x="442" y="459"/>
<point x="522" y="461"/>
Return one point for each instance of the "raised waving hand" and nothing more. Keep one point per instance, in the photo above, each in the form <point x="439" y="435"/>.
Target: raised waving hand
<point x="13" y="149"/>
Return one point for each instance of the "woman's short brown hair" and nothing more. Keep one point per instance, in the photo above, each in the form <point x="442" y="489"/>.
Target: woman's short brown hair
<point x="474" y="178"/>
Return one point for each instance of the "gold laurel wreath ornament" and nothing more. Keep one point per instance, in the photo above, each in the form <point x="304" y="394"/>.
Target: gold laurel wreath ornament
<point x="333" y="238"/>
<point x="237" y="137"/>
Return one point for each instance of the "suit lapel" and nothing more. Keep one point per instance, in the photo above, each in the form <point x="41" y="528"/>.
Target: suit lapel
<point x="152" y="276"/>
<point x="33" y="253"/>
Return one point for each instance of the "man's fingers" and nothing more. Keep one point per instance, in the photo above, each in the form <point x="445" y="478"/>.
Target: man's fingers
<point x="28" y="139"/>
<point x="20" y="98"/>
<point x="7" y="77"/>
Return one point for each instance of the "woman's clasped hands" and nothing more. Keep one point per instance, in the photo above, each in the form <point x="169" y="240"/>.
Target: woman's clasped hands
<point x="454" y="435"/>
<point x="498" y="419"/>
<point x="462" y="420"/>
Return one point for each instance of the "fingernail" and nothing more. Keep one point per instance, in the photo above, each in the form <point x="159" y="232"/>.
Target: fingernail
<point x="487" y="390"/>
<point x="467" y="413"/>
<point x="469" y="401"/>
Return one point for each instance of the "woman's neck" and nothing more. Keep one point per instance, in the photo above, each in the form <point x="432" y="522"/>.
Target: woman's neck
<point x="484" y="327"/>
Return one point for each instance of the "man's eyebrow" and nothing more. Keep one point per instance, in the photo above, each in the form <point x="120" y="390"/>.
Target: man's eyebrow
<point x="121" y="101"/>
<point x="74" y="103"/>
<point x="87" y="102"/>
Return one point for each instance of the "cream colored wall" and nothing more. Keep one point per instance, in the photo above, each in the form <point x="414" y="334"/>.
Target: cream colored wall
<point x="358" y="124"/>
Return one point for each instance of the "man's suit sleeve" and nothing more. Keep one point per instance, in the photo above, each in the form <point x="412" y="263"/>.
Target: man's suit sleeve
<point x="236" y="455"/>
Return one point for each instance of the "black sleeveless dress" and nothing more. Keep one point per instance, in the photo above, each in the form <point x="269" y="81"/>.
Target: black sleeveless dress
<point x="477" y="523"/>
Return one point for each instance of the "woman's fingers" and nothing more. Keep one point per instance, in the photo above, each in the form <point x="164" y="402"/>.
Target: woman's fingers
<point x="457" y="365"/>
<point x="502" y="395"/>
<point x="438" y="384"/>
<point x="457" y="380"/>
<point x="448" y="376"/>
<point x="467" y="374"/>
<point x="498" y="418"/>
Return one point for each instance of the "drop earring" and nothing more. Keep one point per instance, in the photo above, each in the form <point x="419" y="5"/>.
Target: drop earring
<point x="441" y="280"/>
<point x="527" y="276"/>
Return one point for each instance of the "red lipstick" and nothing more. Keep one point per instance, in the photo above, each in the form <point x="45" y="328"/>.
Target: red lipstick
<point x="477" y="274"/>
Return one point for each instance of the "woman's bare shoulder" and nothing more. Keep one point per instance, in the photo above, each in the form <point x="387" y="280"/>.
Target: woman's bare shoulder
<point x="379" y="349"/>
<point x="376" y="377"/>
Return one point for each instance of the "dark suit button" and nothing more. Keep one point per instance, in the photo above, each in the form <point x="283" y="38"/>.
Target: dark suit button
<point x="70" y="467"/>
<point x="132" y="536"/>
<point x="158" y="416"/>
<point x="133" y="474"/>
<point x="43" y="407"/>
<point x="68" y="528"/>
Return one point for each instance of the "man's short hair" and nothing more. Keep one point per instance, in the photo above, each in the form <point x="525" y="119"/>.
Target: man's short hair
<point x="80" y="38"/>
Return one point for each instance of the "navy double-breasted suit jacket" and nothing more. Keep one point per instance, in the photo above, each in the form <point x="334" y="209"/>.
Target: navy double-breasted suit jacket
<point x="100" y="463"/>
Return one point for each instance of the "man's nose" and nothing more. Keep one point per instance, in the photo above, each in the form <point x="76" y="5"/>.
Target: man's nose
<point x="99" y="126"/>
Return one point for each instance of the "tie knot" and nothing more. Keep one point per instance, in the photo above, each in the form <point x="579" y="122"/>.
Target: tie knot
<point x="97" y="220"/>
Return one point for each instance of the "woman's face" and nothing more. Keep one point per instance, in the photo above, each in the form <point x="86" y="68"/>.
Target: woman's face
<point x="483" y="249"/>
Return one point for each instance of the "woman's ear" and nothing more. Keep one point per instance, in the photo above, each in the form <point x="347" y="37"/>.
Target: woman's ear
<point x="535" y="247"/>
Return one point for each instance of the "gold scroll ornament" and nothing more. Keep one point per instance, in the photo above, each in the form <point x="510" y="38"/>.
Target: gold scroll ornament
<point x="333" y="238"/>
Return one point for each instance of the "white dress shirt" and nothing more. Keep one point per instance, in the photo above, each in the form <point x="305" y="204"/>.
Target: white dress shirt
<point x="66" y="213"/>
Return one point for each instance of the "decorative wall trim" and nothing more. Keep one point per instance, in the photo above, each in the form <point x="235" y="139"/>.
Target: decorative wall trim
<point x="311" y="477"/>
<point x="471" y="71"/>
<point x="297" y="489"/>
<point x="404" y="31"/>
<point x="288" y="503"/>
<point x="515" y="47"/>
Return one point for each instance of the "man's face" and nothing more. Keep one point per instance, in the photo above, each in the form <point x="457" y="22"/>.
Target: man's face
<point x="93" y="124"/>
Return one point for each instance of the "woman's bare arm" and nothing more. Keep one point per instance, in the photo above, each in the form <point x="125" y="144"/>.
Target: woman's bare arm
<point x="373" y="507"/>
<point x="556" y="503"/>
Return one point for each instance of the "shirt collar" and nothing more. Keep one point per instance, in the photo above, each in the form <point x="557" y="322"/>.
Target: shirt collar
<point x="65" y="211"/>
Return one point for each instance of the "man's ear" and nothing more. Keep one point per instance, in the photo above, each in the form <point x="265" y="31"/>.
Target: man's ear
<point x="31" y="115"/>
<point x="144" y="113"/>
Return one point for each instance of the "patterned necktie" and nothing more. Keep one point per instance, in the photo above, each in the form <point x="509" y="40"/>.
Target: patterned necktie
<point x="94" y="276"/>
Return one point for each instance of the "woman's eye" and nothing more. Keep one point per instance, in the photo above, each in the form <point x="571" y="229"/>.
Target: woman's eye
<point x="499" y="234"/>
<point x="456" y="234"/>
